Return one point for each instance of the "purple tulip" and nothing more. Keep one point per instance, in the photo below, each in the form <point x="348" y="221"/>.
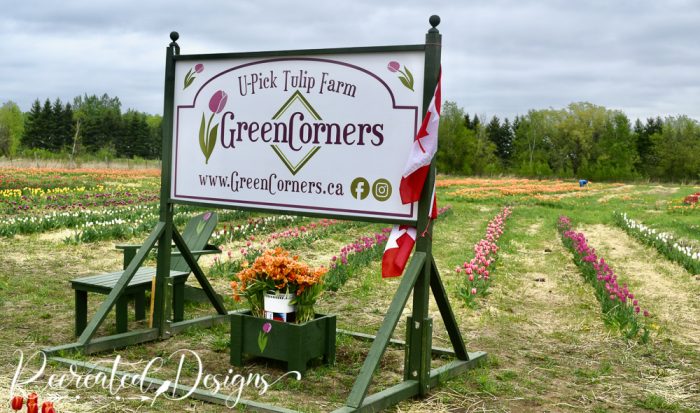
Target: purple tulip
<point x="218" y="101"/>
<point x="266" y="328"/>
<point x="199" y="68"/>
<point x="393" y="66"/>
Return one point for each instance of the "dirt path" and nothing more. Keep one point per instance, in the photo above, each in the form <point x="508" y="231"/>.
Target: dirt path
<point x="671" y="294"/>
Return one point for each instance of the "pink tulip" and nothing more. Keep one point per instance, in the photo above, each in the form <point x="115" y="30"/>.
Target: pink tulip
<point x="218" y="101"/>
<point x="199" y="68"/>
<point x="393" y="66"/>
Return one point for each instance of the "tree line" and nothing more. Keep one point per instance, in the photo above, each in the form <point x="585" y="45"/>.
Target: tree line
<point x="582" y="141"/>
<point x="90" y="125"/>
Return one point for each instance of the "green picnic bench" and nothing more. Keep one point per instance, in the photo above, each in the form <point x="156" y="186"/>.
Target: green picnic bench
<point x="196" y="235"/>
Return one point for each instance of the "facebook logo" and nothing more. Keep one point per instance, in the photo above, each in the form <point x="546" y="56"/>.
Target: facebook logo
<point x="359" y="189"/>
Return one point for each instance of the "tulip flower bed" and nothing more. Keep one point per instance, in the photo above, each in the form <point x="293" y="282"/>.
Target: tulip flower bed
<point x="668" y="245"/>
<point x="289" y="239"/>
<point x="476" y="271"/>
<point x="361" y="252"/>
<point x="230" y="233"/>
<point x="621" y="310"/>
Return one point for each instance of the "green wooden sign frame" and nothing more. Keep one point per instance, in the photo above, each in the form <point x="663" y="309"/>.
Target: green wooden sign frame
<point x="420" y="279"/>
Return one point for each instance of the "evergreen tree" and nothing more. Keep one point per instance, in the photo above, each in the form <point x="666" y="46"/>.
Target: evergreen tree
<point x="32" y="126"/>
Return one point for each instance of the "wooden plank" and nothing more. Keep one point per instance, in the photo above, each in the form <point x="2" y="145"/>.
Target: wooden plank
<point x="111" y="299"/>
<point x="180" y="389"/>
<point x="206" y="321"/>
<point x="455" y="368"/>
<point x="438" y="351"/>
<point x="385" y="398"/>
<point x="214" y="298"/>
<point x="359" y="389"/>
<point x="106" y="343"/>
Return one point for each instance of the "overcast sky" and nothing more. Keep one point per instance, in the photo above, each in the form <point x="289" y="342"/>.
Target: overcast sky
<point x="499" y="57"/>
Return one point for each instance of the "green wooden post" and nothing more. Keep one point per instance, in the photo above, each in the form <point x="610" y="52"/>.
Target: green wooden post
<point x="419" y="333"/>
<point x="160" y="315"/>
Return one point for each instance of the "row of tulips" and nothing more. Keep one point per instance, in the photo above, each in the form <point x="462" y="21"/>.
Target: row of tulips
<point x="668" y="245"/>
<point x="230" y="233"/>
<point x="114" y="227"/>
<point x="477" y="277"/>
<point x="32" y="404"/>
<point x="359" y="253"/>
<point x="621" y="309"/>
<point x="68" y="219"/>
<point x="65" y="199"/>
<point x="288" y="239"/>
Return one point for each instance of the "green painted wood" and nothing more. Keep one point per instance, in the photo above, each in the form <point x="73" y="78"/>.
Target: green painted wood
<point x="359" y="389"/>
<point x="287" y="53"/>
<point x="205" y="321"/>
<point x="419" y="352"/>
<point x="385" y="398"/>
<point x="151" y="383"/>
<point x="407" y="348"/>
<point x="166" y="208"/>
<point x="140" y="306"/>
<point x="453" y="369"/>
<point x="447" y="315"/>
<point x="426" y="343"/>
<point x="236" y="343"/>
<point x="81" y="309"/>
<point x="135" y="290"/>
<point x="100" y="344"/>
<point x="191" y="261"/>
<point x="165" y="331"/>
<point x="122" y="313"/>
<point x="111" y="299"/>
<point x="196" y="235"/>
<point x="295" y="344"/>
<point x="437" y="351"/>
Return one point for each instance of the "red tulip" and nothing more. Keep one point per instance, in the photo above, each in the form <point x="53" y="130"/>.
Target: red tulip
<point x="47" y="407"/>
<point x="33" y="398"/>
<point x="17" y="402"/>
<point x="32" y="407"/>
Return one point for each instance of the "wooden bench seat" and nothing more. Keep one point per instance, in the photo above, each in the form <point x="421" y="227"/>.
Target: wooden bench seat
<point x="136" y="290"/>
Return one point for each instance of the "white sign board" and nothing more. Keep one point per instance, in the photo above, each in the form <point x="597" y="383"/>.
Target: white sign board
<point x="327" y="134"/>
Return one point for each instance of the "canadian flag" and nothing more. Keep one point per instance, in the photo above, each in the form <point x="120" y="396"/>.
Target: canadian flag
<point x="403" y="237"/>
<point x="398" y="249"/>
<point x="422" y="151"/>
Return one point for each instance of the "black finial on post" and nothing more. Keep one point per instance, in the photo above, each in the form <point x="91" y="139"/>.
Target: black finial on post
<point x="174" y="36"/>
<point x="434" y="21"/>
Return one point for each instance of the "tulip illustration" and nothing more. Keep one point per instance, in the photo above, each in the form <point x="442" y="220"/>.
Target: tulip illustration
<point x="190" y="76"/>
<point x="17" y="402"/>
<point x="207" y="134"/>
<point x="32" y="407"/>
<point x="405" y="75"/>
<point x="33" y="398"/>
<point x="262" y="336"/>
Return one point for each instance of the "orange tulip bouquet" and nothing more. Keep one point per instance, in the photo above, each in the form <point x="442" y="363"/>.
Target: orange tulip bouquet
<point x="278" y="271"/>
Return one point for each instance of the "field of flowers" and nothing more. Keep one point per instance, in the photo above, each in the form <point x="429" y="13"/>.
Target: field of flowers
<point x="579" y="306"/>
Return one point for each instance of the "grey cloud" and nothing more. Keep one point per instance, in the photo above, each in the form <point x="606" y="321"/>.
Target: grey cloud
<point x="499" y="57"/>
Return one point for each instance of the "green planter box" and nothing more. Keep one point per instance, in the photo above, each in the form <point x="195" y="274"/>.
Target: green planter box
<point x="294" y="344"/>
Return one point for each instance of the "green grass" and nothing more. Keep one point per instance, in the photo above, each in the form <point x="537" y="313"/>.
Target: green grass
<point x="548" y="347"/>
